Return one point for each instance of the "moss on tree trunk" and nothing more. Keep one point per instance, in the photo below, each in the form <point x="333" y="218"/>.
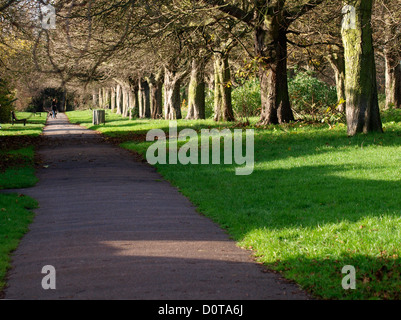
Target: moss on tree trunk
<point x="223" y="110"/>
<point x="363" y="113"/>
<point x="196" y="90"/>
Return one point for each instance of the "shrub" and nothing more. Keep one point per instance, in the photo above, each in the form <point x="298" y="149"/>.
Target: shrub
<point x="246" y="99"/>
<point x="310" y="96"/>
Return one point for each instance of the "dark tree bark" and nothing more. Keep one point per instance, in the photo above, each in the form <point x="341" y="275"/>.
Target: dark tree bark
<point x="363" y="113"/>
<point x="271" y="50"/>
<point x="144" y="99"/>
<point x="156" y="95"/>
<point x="134" y="104"/>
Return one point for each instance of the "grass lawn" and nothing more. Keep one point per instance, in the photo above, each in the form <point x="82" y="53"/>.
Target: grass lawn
<point x="15" y="217"/>
<point x="33" y="126"/>
<point x="17" y="171"/>
<point x="316" y="201"/>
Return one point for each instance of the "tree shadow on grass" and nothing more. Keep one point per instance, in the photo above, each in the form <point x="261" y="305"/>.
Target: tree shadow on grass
<point x="308" y="222"/>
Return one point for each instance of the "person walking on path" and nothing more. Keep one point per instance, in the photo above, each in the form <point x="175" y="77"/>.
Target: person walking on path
<point x="54" y="108"/>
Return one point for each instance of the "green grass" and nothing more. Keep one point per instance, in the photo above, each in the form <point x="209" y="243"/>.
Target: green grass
<point x="317" y="201"/>
<point x="34" y="125"/>
<point x="17" y="171"/>
<point x="18" y="150"/>
<point x="15" y="217"/>
<point x="21" y="173"/>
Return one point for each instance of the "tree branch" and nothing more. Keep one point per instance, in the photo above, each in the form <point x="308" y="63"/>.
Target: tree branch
<point x="231" y="10"/>
<point x="296" y="12"/>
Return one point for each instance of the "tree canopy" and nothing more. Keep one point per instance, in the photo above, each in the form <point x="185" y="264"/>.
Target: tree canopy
<point x="151" y="58"/>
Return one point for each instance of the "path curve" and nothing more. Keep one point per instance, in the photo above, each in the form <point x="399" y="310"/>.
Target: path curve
<point x="114" y="229"/>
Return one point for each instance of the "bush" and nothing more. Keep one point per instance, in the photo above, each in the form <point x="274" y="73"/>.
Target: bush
<point x="6" y="102"/>
<point x="309" y="95"/>
<point x="246" y="99"/>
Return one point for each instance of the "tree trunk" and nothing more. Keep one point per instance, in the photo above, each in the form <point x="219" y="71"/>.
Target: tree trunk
<point x="363" y="113"/>
<point x="134" y="112"/>
<point x="393" y="82"/>
<point x="100" y="98"/>
<point x="125" y="106"/>
<point x="107" y="98"/>
<point x="63" y="105"/>
<point x="94" y="99"/>
<point x="172" y="99"/>
<point x="156" y="95"/>
<point x="392" y="63"/>
<point x="337" y="63"/>
<point x="118" y="99"/>
<point x="223" y="110"/>
<point x="144" y="99"/>
<point x="271" y="48"/>
<point x="113" y="99"/>
<point x="196" y="90"/>
<point x="131" y="103"/>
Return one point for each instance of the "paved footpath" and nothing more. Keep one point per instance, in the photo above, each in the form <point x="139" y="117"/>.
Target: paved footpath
<point x="114" y="229"/>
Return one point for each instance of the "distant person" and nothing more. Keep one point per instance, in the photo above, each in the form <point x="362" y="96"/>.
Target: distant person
<point x="54" y="108"/>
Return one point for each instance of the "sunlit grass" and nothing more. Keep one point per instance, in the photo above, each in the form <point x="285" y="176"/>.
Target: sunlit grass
<point x="34" y="125"/>
<point x="15" y="216"/>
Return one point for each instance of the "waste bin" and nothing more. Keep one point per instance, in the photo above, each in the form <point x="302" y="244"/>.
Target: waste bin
<point x="99" y="117"/>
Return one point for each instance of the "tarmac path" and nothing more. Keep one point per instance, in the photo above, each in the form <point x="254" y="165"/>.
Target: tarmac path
<point x="114" y="229"/>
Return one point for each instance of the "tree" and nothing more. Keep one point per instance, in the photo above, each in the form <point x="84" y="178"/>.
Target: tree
<point x="196" y="88"/>
<point x="270" y="21"/>
<point x="319" y="37"/>
<point x="363" y="113"/>
<point x="387" y="27"/>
